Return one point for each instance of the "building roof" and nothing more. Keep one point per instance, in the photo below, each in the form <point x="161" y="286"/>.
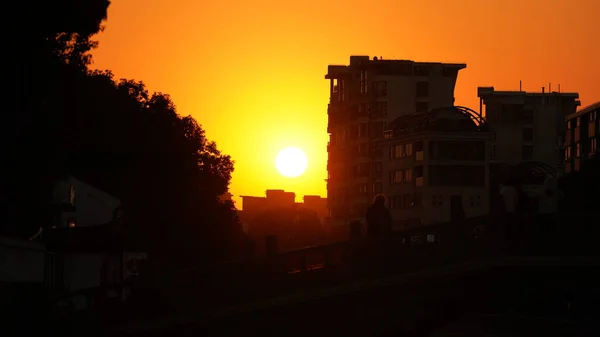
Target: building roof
<point x="585" y="110"/>
<point x="401" y="67"/>
<point x="446" y="119"/>
<point x="490" y="91"/>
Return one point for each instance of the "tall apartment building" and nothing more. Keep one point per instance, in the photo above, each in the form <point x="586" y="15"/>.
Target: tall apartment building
<point x="527" y="126"/>
<point x="581" y="139"/>
<point x="364" y="96"/>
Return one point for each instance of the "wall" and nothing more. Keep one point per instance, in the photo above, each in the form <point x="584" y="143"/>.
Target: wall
<point x="82" y="271"/>
<point x="21" y="261"/>
<point x="92" y="206"/>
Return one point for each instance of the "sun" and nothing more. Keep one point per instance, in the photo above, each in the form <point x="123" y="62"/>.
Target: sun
<point x="291" y="162"/>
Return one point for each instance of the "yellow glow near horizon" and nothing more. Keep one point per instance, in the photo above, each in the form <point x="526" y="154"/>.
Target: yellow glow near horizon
<point x="291" y="162"/>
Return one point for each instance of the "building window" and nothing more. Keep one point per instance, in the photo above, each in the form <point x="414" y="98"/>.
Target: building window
<point x="527" y="152"/>
<point x="593" y="145"/>
<point x="379" y="109"/>
<point x="380" y="88"/>
<point x="363" y="109"/>
<point x="418" y="200"/>
<point x="396" y="151"/>
<point x="422" y="106"/>
<point x="377" y="167"/>
<point x="396" y="177"/>
<point x="421" y="71"/>
<point x="377" y="188"/>
<point x="363" y="150"/>
<point x="363" y="82"/>
<point x="401" y="150"/>
<point x="363" y="190"/>
<point x="363" y="130"/>
<point x="396" y="202"/>
<point x="407" y="201"/>
<point x="407" y="176"/>
<point x="527" y="116"/>
<point x="475" y="201"/>
<point x="450" y="72"/>
<point x="408" y="150"/>
<point x="422" y="89"/>
<point x="578" y="121"/>
<point x="568" y="153"/>
<point x="436" y="200"/>
<point x="577" y="150"/>
<point x="400" y="176"/>
<point x="527" y="133"/>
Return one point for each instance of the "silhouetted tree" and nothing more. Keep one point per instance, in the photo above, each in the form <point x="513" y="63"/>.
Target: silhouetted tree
<point x="65" y="119"/>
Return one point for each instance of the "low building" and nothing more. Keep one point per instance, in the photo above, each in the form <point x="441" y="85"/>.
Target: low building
<point x="316" y="204"/>
<point x="581" y="138"/>
<point x="436" y="166"/>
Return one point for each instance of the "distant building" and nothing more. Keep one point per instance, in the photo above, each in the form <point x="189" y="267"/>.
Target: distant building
<point x="436" y="166"/>
<point x="364" y="96"/>
<point x="253" y="206"/>
<point x="528" y="127"/>
<point x="581" y="139"/>
<point x="317" y="204"/>
<point x="273" y="198"/>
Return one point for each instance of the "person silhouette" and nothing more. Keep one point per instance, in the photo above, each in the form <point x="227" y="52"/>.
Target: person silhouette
<point x="378" y="217"/>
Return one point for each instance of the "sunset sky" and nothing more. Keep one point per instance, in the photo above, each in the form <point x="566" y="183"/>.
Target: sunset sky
<point x="251" y="71"/>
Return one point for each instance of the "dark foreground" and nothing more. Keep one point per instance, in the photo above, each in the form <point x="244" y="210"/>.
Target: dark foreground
<point x="507" y="301"/>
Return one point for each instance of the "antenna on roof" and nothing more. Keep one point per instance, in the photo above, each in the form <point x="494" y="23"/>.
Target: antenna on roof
<point x="549" y="87"/>
<point x="520" y="85"/>
<point x="559" y="88"/>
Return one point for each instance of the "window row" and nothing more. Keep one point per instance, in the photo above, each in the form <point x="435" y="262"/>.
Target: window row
<point x="401" y="150"/>
<point x="405" y="201"/>
<point x="401" y="176"/>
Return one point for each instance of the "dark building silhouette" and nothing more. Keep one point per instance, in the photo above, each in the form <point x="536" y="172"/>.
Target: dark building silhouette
<point x="364" y="96"/>
<point x="253" y="206"/>
<point x="528" y="126"/>
<point x="581" y="137"/>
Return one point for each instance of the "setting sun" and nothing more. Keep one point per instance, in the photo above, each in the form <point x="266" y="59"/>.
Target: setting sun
<point x="291" y="162"/>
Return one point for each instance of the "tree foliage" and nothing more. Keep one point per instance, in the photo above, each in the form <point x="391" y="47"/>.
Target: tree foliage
<point x="113" y="133"/>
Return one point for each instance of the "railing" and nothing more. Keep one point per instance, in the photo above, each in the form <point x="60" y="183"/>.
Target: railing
<point x="409" y="250"/>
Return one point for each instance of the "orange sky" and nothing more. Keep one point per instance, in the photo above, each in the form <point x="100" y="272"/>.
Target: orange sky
<point x="251" y="71"/>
